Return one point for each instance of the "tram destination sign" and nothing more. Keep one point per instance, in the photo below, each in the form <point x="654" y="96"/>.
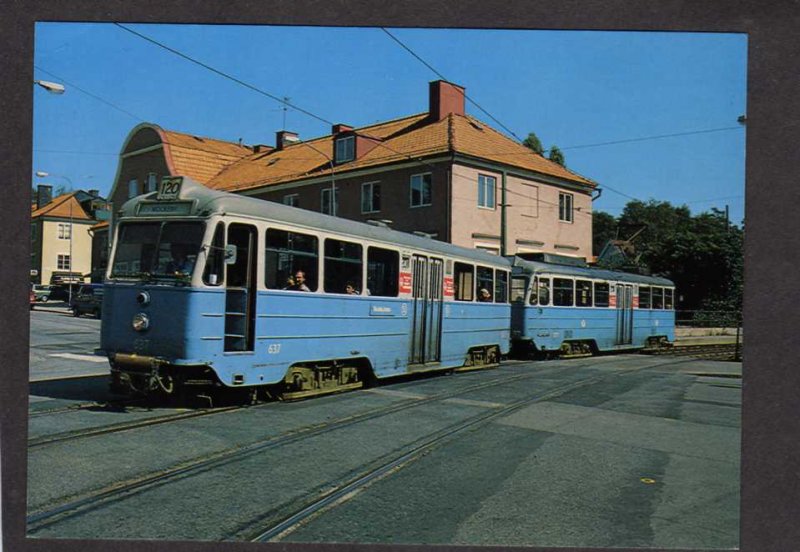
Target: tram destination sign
<point x="161" y="208"/>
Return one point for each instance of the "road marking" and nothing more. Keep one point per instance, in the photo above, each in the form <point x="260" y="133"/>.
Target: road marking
<point x="87" y="358"/>
<point x="470" y="402"/>
<point x="391" y="393"/>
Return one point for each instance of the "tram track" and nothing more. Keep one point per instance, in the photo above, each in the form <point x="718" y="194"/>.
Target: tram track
<point x="99" y="498"/>
<point x="709" y="351"/>
<point x="343" y="490"/>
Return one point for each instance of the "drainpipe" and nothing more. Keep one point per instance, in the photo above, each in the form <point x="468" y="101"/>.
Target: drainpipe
<point x="503" y="221"/>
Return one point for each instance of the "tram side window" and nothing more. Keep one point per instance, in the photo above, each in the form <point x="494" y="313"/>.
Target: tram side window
<point x="343" y="266"/>
<point x="501" y="286"/>
<point x="583" y="293"/>
<point x="286" y="254"/>
<point x="600" y="294"/>
<point x="518" y="288"/>
<point x="658" y="298"/>
<point x="668" y="298"/>
<point x="563" y="292"/>
<point x="484" y="281"/>
<point x="214" y="273"/>
<point x="464" y="275"/>
<point x="542" y="292"/>
<point x="644" y="297"/>
<point x="382" y="272"/>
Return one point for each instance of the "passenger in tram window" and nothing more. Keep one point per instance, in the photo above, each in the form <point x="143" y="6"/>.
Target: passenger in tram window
<point x="484" y="296"/>
<point x="350" y="289"/>
<point x="289" y="282"/>
<point x="299" y="282"/>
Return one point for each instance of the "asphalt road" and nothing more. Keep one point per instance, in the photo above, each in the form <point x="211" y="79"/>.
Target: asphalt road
<point x="612" y="451"/>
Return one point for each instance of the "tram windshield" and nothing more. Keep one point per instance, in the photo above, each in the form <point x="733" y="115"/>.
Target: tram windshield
<point x="157" y="250"/>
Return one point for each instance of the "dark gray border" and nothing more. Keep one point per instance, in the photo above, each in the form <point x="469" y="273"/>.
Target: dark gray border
<point x="770" y="486"/>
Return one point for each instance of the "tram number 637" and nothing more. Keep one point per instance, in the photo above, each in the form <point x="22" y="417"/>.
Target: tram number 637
<point x="274" y="348"/>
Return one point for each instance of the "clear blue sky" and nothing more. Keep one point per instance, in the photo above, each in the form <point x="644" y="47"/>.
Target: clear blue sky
<point x="572" y="88"/>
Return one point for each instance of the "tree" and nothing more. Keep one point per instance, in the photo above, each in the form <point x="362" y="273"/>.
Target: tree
<point x="604" y="228"/>
<point x="702" y="254"/>
<point x="533" y="143"/>
<point x="557" y="156"/>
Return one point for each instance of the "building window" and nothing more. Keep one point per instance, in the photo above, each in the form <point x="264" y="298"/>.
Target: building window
<point x="64" y="231"/>
<point x="486" y="188"/>
<point x="345" y="149"/>
<point x="292" y="200"/>
<point x="64" y="262"/>
<point x="421" y="190"/>
<point x="152" y="183"/>
<point x="133" y="188"/>
<point x="327" y="207"/>
<point x="565" y="207"/>
<point x="370" y="197"/>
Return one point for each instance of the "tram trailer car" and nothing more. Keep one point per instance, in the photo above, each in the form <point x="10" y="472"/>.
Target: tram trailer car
<point x="199" y="294"/>
<point x="579" y="310"/>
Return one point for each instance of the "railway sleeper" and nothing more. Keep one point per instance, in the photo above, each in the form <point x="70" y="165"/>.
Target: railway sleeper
<point x="313" y="379"/>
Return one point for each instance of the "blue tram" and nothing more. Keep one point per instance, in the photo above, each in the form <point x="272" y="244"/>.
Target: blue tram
<point x="210" y="289"/>
<point x="578" y="310"/>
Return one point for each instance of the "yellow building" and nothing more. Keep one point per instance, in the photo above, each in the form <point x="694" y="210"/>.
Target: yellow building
<point x="61" y="246"/>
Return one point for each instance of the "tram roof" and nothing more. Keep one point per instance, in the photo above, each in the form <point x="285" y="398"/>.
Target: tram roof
<point x="588" y="272"/>
<point x="206" y="201"/>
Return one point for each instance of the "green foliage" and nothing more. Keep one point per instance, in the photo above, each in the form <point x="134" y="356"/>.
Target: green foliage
<point x="702" y="254"/>
<point x="604" y="228"/>
<point x="557" y="156"/>
<point x="532" y="142"/>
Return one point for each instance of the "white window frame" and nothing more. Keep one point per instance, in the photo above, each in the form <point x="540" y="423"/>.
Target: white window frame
<point x="411" y="190"/>
<point x="323" y="193"/>
<point x="64" y="262"/>
<point x="64" y="231"/>
<point x="370" y="195"/>
<point x="133" y="188"/>
<point x="292" y="200"/>
<point x="566" y="207"/>
<point x="345" y="149"/>
<point x="484" y="181"/>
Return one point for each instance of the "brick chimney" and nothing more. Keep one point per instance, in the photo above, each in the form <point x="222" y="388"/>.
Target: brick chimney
<point x="445" y="98"/>
<point x="339" y="128"/>
<point x="285" y="137"/>
<point x="44" y="195"/>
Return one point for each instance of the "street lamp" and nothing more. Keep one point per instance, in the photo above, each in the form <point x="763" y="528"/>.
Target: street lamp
<point x="52" y="87"/>
<point x="43" y="174"/>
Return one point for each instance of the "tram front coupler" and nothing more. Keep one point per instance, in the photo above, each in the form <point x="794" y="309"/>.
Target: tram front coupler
<point x="144" y="375"/>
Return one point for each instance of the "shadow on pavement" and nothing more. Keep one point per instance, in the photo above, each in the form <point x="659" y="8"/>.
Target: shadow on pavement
<point x="93" y="388"/>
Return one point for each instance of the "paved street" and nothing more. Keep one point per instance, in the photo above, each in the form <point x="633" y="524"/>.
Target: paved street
<point x="625" y="450"/>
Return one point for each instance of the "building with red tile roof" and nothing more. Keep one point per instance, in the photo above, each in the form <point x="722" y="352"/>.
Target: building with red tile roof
<point x="61" y="245"/>
<point x="442" y="173"/>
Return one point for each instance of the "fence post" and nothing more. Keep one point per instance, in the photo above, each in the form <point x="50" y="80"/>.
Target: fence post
<point x="736" y="352"/>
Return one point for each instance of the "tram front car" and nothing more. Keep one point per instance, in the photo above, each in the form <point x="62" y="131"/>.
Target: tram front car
<point x="166" y="262"/>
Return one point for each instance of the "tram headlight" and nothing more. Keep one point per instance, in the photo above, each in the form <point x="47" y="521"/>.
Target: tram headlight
<point x="143" y="298"/>
<point x="140" y="322"/>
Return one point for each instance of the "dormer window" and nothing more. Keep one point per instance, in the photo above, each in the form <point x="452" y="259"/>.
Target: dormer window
<point x="345" y="149"/>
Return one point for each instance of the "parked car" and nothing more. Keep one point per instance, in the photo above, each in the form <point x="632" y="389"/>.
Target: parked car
<point x="33" y="299"/>
<point x="60" y="292"/>
<point x="42" y="292"/>
<point x="88" y="300"/>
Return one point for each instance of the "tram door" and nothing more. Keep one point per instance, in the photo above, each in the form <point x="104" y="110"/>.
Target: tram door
<point x="426" y="331"/>
<point x="240" y="291"/>
<point x="624" y="314"/>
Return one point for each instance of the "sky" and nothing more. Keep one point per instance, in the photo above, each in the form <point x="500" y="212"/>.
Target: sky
<point x="646" y="115"/>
